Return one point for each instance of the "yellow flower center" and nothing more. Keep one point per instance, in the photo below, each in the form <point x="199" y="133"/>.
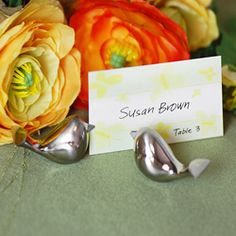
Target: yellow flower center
<point x="25" y="81"/>
<point x="120" y="54"/>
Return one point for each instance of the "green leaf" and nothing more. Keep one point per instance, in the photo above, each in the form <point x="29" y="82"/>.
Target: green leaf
<point x="227" y="49"/>
<point x="206" y="52"/>
<point x="230" y="27"/>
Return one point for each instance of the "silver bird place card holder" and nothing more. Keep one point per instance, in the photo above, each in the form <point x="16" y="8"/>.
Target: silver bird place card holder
<point x="64" y="143"/>
<point x="155" y="159"/>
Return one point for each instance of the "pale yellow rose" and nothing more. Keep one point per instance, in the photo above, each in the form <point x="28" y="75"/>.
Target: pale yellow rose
<point x="39" y="68"/>
<point x="198" y="21"/>
<point x="229" y="76"/>
<point x="229" y="82"/>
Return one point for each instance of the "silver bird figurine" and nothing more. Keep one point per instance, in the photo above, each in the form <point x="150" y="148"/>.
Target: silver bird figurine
<point x="156" y="160"/>
<point x="64" y="143"/>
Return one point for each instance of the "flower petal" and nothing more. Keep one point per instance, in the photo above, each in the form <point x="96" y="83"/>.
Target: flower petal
<point x="71" y="68"/>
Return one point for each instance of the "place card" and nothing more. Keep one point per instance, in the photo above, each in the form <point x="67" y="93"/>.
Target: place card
<point x="182" y="100"/>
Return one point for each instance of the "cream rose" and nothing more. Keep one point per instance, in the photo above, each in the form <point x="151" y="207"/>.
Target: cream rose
<point x="229" y="82"/>
<point x="39" y="68"/>
<point x="198" y="21"/>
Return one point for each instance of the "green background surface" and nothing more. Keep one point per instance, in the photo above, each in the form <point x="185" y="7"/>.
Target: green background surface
<point x="107" y="195"/>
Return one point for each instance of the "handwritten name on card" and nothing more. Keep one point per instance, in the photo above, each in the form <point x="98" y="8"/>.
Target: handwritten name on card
<point x="181" y="100"/>
<point x="127" y="112"/>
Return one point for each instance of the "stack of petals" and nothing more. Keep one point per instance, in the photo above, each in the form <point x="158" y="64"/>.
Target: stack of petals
<point x="229" y="88"/>
<point x="39" y="68"/>
<point x="195" y="17"/>
<point x="114" y="34"/>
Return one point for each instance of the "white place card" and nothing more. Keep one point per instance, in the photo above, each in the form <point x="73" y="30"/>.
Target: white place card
<point x="181" y="100"/>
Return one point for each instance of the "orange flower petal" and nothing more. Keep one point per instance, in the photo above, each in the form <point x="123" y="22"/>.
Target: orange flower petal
<point x="158" y="38"/>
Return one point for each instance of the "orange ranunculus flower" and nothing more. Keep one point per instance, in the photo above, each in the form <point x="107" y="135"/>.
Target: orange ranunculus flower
<point x="39" y="68"/>
<point x="113" y="34"/>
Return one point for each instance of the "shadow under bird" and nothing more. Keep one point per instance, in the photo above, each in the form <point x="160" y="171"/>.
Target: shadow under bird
<point x="64" y="143"/>
<point x="156" y="160"/>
